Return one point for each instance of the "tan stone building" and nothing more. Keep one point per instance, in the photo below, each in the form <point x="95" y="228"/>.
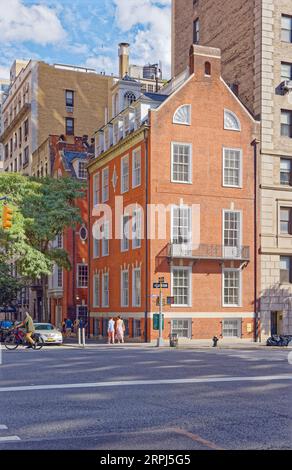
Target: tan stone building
<point x="255" y="37"/>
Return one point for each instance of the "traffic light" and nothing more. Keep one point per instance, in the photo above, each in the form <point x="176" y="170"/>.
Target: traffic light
<point x="6" y="217"/>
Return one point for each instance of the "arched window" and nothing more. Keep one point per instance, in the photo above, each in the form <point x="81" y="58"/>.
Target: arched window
<point x="207" y="68"/>
<point x="231" y="121"/>
<point x="83" y="233"/>
<point x="129" y="98"/>
<point x="183" y="115"/>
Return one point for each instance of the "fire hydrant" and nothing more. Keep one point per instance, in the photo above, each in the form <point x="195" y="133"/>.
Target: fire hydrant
<point x="215" y="341"/>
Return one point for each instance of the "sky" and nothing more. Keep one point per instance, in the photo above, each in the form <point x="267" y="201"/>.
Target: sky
<point x="85" y="32"/>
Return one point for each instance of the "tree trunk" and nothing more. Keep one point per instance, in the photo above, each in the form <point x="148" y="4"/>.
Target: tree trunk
<point x="45" y="298"/>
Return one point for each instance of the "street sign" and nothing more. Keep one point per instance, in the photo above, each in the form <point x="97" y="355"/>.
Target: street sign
<point x="161" y="279"/>
<point x="170" y="300"/>
<point x="156" y="321"/>
<point x="158" y="301"/>
<point x="158" y="285"/>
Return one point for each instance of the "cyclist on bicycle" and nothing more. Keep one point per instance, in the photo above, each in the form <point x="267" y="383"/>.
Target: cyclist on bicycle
<point x="29" y="327"/>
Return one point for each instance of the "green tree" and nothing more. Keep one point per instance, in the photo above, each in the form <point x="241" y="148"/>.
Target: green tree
<point x="42" y="209"/>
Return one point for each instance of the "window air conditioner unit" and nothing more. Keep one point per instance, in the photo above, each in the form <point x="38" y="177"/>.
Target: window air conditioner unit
<point x="69" y="109"/>
<point x="287" y="86"/>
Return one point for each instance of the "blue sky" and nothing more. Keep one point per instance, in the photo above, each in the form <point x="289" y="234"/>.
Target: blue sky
<point x="84" y="32"/>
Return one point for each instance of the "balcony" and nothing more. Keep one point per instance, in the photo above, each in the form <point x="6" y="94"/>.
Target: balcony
<point x="21" y="113"/>
<point x="208" y="252"/>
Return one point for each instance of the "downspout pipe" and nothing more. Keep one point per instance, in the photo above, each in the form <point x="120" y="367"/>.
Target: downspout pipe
<point x="146" y="313"/>
<point x="88" y="248"/>
<point x="255" y="144"/>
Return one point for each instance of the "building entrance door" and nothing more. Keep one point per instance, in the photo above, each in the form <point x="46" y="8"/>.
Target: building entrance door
<point x="276" y="323"/>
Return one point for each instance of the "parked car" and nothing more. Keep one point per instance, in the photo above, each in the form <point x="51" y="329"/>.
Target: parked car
<point x="49" y="333"/>
<point x="279" y="340"/>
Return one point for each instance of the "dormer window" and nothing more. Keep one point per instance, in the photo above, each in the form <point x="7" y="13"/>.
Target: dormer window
<point x="129" y="98"/>
<point x="82" y="171"/>
<point x="183" y="115"/>
<point x="231" y="121"/>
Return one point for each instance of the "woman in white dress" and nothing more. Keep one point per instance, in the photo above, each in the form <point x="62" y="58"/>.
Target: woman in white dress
<point x="120" y="329"/>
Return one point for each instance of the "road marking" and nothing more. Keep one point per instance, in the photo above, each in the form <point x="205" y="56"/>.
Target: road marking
<point x="196" y="438"/>
<point x="2" y="426"/>
<point x="264" y="378"/>
<point x="9" y="439"/>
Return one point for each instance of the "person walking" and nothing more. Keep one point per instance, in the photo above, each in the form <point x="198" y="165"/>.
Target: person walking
<point x="68" y="327"/>
<point x="120" y="329"/>
<point x="111" y="331"/>
<point x="76" y="325"/>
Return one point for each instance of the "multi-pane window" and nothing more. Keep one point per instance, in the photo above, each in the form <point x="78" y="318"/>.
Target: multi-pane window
<point x="59" y="240"/>
<point x="125" y="288"/>
<point x="96" y="247"/>
<point x="286" y="28"/>
<point x="20" y="136"/>
<point x="231" y="327"/>
<point x="125" y="174"/>
<point x="96" y="189"/>
<point x="181" y="286"/>
<point x="69" y="98"/>
<point x="181" y="327"/>
<point x="96" y="290"/>
<point x="196" y="31"/>
<point x="181" y="163"/>
<point x="231" y="287"/>
<point x="286" y="220"/>
<point x="105" y="185"/>
<point x="82" y="171"/>
<point x="26" y="156"/>
<point x="286" y="71"/>
<point x="232" y="167"/>
<point x="285" y="171"/>
<point x="136" y="287"/>
<point x="26" y="129"/>
<point x="125" y="233"/>
<point x="285" y="269"/>
<point x="105" y="289"/>
<point x="59" y="276"/>
<point x="82" y="275"/>
<point x="181" y="225"/>
<point x="69" y="126"/>
<point x="136" y="171"/>
<point x="231" y="228"/>
<point x="136" y="328"/>
<point x="105" y="239"/>
<point x="137" y="228"/>
<point x="286" y="123"/>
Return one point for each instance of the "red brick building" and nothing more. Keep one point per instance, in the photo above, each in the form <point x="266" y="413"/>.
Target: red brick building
<point x="190" y="150"/>
<point x="68" y="290"/>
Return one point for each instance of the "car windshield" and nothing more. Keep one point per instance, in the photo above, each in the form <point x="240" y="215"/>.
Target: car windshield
<point x="44" y="326"/>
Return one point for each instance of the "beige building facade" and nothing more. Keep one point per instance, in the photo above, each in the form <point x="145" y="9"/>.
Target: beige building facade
<point x="255" y="37"/>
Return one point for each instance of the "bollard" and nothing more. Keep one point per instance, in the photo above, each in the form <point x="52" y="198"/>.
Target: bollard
<point x="83" y="337"/>
<point x="79" y="336"/>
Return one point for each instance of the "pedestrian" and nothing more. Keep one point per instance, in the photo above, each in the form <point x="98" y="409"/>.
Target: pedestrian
<point x="64" y="326"/>
<point x="76" y="325"/>
<point x="111" y="331"/>
<point x="120" y="329"/>
<point x="68" y="327"/>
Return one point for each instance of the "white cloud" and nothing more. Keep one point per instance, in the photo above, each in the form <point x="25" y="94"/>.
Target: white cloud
<point x="4" y="72"/>
<point x="152" y="22"/>
<point x="102" y="63"/>
<point x="36" y="23"/>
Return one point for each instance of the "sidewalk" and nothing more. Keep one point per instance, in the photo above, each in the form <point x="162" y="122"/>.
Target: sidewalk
<point x="183" y="344"/>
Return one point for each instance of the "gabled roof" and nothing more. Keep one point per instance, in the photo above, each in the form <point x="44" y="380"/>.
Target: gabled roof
<point x="155" y="97"/>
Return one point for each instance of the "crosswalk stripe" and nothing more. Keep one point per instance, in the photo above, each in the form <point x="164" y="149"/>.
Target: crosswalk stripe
<point x="9" y="439"/>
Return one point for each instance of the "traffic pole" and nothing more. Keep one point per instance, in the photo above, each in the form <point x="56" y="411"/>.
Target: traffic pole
<point x="160" y="339"/>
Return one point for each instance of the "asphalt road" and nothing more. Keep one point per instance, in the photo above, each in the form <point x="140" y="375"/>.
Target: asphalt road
<point x="115" y="397"/>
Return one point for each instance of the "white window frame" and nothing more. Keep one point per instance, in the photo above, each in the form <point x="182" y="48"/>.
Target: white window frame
<point x="125" y="242"/>
<point x="78" y="285"/>
<point x="137" y="241"/>
<point x="190" y="181"/>
<point x="83" y="163"/>
<point x="96" y="293"/>
<point x="183" y="123"/>
<point x="96" y="189"/>
<point x="224" y="211"/>
<point x="185" y="268"/>
<point x="123" y="303"/>
<point x="104" y="240"/>
<point x="189" y="320"/>
<point x="136" y="153"/>
<point x="105" y="196"/>
<point x="125" y="189"/>
<point x="189" y="209"/>
<point x="60" y="270"/>
<point x="134" y="304"/>
<point x="224" y="270"/>
<point x="227" y="111"/>
<point x="226" y="185"/>
<point x="103" y="291"/>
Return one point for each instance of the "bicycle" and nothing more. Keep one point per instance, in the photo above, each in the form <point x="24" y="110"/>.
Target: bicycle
<point x="16" y="338"/>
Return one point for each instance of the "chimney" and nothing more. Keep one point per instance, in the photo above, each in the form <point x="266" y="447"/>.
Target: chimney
<point x="123" y="59"/>
<point x="205" y="62"/>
